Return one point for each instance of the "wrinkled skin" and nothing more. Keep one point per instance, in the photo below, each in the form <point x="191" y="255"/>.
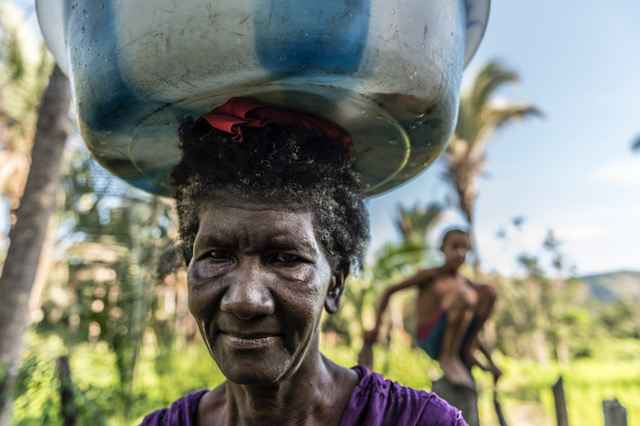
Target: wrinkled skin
<point x="258" y="282"/>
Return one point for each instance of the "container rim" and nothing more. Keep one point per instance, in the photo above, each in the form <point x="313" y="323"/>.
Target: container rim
<point x="50" y="15"/>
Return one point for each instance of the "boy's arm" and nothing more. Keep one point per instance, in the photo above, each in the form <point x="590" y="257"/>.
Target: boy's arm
<point x="421" y="278"/>
<point x="492" y="367"/>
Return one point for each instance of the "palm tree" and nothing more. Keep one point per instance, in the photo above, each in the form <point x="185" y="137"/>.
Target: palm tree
<point x="22" y="80"/>
<point x="30" y="230"/>
<point x="480" y="115"/>
<point x="414" y="225"/>
<point x="635" y="145"/>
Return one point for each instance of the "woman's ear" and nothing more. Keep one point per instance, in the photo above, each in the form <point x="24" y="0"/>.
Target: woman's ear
<point x="336" y="288"/>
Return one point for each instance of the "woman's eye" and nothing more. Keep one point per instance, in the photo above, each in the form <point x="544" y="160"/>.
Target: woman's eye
<point x="213" y="264"/>
<point x="286" y="259"/>
<point x="218" y="257"/>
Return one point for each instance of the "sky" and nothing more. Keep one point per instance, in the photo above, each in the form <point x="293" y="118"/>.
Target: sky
<point x="572" y="171"/>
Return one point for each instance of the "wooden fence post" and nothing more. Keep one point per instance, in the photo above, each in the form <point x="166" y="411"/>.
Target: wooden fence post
<point x="562" y="416"/>
<point x="614" y="413"/>
<point x="463" y="398"/>
<point x="67" y="402"/>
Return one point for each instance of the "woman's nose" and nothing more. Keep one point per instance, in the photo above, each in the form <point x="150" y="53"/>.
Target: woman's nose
<point x="248" y="296"/>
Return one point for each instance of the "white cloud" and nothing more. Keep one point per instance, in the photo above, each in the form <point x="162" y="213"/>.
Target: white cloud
<point x="624" y="172"/>
<point x="502" y="254"/>
<point x="582" y="241"/>
<point x="580" y="232"/>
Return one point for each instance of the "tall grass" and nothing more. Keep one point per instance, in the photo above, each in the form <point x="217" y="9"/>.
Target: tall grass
<point x="525" y="391"/>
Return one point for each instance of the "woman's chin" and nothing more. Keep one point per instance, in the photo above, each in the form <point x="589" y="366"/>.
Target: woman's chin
<point x="254" y="375"/>
<point x="253" y="369"/>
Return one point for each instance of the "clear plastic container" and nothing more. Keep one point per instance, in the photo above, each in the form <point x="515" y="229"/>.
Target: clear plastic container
<point x="388" y="71"/>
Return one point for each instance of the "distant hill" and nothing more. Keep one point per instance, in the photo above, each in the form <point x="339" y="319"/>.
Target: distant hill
<point x="612" y="286"/>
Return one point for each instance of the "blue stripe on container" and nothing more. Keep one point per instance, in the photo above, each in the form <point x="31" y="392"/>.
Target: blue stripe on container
<point x="470" y="23"/>
<point x="306" y="36"/>
<point x="95" y="61"/>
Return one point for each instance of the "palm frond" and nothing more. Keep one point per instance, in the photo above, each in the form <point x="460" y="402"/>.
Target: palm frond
<point x="499" y="116"/>
<point x="491" y="77"/>
<point x="479" y="115"/>
<point x="467" y="126"/>
<point x="477" y="98"/>
<point x="495" y="118"/>
<point x="414" y="223"/>
<point x="456" y="149"/>
<point x="15" y="62"/>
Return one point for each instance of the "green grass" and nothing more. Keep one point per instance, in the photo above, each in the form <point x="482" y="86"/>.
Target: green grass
<point x="613" y="371"/>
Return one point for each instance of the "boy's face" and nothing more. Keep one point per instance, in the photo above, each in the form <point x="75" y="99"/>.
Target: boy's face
<point x="455" y="249"/>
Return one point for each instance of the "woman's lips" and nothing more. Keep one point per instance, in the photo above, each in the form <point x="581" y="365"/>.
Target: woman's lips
<point x="239" y="342"/>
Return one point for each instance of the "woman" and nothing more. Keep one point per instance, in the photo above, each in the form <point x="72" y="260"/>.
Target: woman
<point x="272" y="221"/>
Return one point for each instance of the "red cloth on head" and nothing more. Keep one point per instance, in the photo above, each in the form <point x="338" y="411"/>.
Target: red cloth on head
<point x="237" y="113"/>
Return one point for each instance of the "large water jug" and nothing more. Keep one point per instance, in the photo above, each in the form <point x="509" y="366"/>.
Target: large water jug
<point x="388" y="71"/>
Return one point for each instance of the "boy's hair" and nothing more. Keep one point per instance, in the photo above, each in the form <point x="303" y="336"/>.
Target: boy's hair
<point x="450" y="233"/>
<point x="299" y="168"/>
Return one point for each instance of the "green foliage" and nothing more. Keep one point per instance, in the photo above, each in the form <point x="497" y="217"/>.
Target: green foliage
<point x="479" y="114"/>
<point x="416" y="222"/>
<point x="38" y="398"/>
<point x="621" y="319"/>
<point x="613" y="370"/>
<point x="392" y="262"/>
<point x="132" y="351"/>
<point x="97" y="387"/>
<point x="23" y="77"/>
<point x="14" y="58"/>
<point x="108" y="293"/>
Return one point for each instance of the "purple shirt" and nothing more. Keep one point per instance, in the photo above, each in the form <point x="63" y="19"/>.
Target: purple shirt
<point x="374" y="402"/>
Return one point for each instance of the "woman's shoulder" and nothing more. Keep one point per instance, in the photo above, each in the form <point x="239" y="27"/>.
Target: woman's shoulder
<point x="379" y="402"/>
<point x="182" y="412"/>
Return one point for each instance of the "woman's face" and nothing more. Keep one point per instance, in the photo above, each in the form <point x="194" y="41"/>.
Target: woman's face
<point x="258" y="282"/>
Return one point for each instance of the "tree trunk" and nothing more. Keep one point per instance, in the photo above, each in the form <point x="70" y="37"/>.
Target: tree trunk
<point x="44" y="264"/>
<point x="475" y="251"/>
<point x="29" y="232"/>
<point x="468" y="214"/>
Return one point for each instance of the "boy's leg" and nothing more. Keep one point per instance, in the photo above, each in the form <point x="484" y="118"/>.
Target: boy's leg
<point x="459" y="316"/>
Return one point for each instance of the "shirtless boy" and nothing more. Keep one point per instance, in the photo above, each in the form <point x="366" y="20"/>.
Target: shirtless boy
<point x="451" y="311"/>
